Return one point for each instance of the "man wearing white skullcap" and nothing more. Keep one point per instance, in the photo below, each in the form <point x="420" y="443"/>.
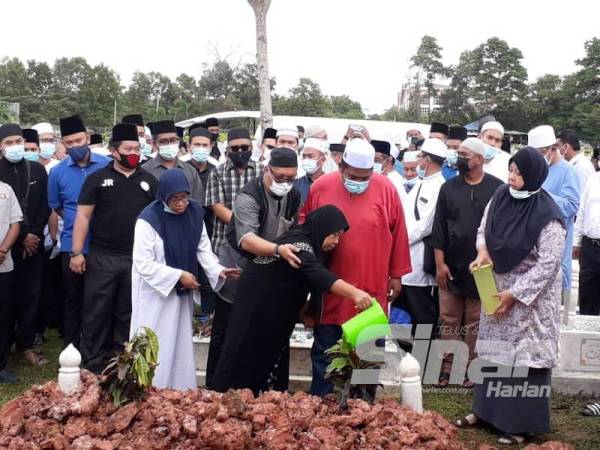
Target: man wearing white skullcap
<point x="564" y="187"/>
<point x="373" y="253"/>
<point x="316" y="131"/>
<point x="496" y="161"/>
<point x="417" y="293"/>
<point x="312" y="159"/>
<point x="460" y="206"/>
<point x="287" y="137"/>
<point x="47" y="145"/>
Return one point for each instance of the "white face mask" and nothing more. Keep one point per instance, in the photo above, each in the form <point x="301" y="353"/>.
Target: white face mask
<point x="521" y="195"/>
<point x="200" y="154"/>
<point x="14" y="153"/>
<point x="310" y="166"/>
<point x="168" y="152"/>
<point x="281" y="189"/>
<point x="377" y="168"/>
<point x="47" y="150"/>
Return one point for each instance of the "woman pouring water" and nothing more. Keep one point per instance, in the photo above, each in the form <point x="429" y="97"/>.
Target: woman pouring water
<point x="523" y="236"/>
<point x="269" y="298"/>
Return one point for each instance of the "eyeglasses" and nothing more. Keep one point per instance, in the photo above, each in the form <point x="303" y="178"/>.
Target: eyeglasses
<point x="184" y="199"/>
<point x="47" y="140"/>
<point x="168" y="141"/>
<point x="282" y="178"/>
<point x="237" y="148"/>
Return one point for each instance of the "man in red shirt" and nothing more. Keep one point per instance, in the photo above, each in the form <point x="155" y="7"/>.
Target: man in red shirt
<point x="372" y="255"/>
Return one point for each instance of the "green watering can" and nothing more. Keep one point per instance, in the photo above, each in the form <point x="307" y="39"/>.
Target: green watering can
<point x="361" y="325"/>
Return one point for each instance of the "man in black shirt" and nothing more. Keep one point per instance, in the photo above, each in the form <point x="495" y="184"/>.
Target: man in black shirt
<point x="460" y="207"/>
<point x="110" y="201"/>
<point x="29" y="181"/>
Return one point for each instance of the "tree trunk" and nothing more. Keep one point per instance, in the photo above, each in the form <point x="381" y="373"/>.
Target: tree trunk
<point x="261" y="7"/>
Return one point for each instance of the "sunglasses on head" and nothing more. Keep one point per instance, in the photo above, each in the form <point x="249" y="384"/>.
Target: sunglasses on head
<point x="237" y="148"/>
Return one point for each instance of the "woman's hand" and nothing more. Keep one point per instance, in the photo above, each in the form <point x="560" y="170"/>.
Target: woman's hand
<point x="361" y="300"/>
<point x="483" y="258"/>
<point x="506" y="303"/>
<point x="188" y="281"/>
<point x="230" y="273"/>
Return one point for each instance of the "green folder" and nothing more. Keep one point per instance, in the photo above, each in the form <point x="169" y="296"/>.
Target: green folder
<point x="486" y="286"/>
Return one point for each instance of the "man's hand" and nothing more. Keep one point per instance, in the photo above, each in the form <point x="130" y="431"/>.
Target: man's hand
<point x="395" y="287"/>
<point x="189" y="281"/>
<point x="361" y="300"/>
<point x="77" y="264"/>
<point x="287" y="252"/>
<point x="230" y="273"/>
<point x="3" y="256"/>
<point x="30" y="244"/>
<point x="506" y="303"/>
<point x="576" y="252"/>
<point x="442" y="276"/>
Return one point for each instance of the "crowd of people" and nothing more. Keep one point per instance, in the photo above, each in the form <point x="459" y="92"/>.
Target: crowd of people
<point x="154" y="228"/>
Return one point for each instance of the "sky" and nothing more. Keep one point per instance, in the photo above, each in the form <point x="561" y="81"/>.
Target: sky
<point x="356" y="47"/>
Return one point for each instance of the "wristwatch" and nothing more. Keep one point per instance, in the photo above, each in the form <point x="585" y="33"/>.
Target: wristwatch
<point x="74" y="254"/>
<point x="276" y="251"/>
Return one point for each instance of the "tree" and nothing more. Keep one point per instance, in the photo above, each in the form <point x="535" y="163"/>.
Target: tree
<point x="428" y="62"/>
<point x="345" y="108"/>
<point x="456" y="103"/>
<point x="305" y="99"/>
<point x="261" y="7"/>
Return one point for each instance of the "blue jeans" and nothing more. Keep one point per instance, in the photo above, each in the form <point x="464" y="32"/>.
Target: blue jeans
<point x="325" y="336"/>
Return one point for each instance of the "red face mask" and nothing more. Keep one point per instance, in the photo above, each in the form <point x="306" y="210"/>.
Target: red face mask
<point x="129" y="161"/>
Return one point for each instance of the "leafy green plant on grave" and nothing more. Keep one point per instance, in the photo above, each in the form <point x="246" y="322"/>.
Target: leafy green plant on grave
<point x="130" y="373"/>
<point x="343" y="360"/>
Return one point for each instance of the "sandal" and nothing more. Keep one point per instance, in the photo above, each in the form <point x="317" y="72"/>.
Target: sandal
<point x="444" y="380"/>
<point x="468" y="384"/>
<point x="511" y="439"/>
<point x="468" y="421"/>
<point x="35" y="358"/>
<point x="591" y="410"/>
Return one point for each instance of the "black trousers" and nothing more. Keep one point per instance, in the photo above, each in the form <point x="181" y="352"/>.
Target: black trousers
<point x="217" y="337"/>
<point x="589" y="277"/>
<point x="73" y="286"/>
<point x="52" y="297"/>
<point x="6" y="332"/>
<point x="106" y="307"/>
<point x="207" y="295"/>
<point x="26" y="291"/>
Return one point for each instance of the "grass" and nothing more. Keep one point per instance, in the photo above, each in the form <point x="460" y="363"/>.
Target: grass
<point x="567" y="423"/>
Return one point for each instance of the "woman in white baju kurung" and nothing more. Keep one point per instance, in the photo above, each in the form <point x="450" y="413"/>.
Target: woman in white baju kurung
<point x="157" y="304"/>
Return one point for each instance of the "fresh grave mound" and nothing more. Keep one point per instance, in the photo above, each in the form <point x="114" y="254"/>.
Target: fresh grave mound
<point x="45" y="418"/>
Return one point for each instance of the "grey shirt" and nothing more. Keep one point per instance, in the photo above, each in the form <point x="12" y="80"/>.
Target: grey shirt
<point x="156" y="167"/>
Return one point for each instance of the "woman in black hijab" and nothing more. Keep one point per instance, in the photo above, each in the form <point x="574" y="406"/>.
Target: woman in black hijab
<point x="270" y="296"/>
<point x="522" y="235"/>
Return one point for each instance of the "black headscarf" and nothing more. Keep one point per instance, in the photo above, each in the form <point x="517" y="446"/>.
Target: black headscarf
<point x="181" y="233"/>
<point x="319" y="224"/>
<point x="514" y="225"/>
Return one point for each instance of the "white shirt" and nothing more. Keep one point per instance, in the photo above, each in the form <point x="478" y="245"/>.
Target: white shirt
<point x="588" y="216"/>
<point x="584" y="169"/>
<point x="398" y="182"/>
<point x="10" y="212"/>
<point x="53" y="162"/>
<point x="424" y="194"/>
<point x="498" y="166"/>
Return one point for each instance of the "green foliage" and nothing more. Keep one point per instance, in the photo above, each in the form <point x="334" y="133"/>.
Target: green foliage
<point x="343" y="360"/>
<point x="130" y="373"/>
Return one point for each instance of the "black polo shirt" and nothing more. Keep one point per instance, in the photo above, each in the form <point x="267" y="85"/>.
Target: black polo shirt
<point x="118" y="202"/>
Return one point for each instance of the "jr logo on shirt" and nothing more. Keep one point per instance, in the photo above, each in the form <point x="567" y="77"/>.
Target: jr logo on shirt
<point x="107" y="182"/>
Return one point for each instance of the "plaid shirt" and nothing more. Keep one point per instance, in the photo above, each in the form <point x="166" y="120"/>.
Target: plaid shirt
<point x="224" y="185"/>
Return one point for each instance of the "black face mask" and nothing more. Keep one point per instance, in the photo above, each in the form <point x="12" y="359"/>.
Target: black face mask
<point x="240" y="159"/>
<point x="214" y="137"/>
<point x="462" y="164"/>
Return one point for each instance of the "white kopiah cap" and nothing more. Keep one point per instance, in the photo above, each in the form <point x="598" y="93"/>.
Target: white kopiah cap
<point x="542" y="136"/>
<point x="493" y="126"/>
<point x="475" y="145"/>
<point x="43" y="127"/>
<point x="410" y="157"/>
<point x="316" y="144"/>
<point x="359" y="154"/>
<point x="434" y="146"/>
<point x="288" y="132"/>
<point x="147" y="131"/>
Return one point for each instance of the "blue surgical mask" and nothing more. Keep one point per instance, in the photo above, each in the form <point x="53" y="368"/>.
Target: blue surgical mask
<point x="31" y="156"/>
<point x="14" y="153"/>
<point x="355" y="187"/>
<point x="399" y="167"/>
<point x="490" y="152"/>
<point x="377" y="167"/>
<point x="421" y="172"/>
<point x="169" y="151"/>
<point x="167" y="209"/>
<point x="47" y="150"/>
<point x="145" y="148"/>
<point x="521" y="195"/>
<point x="78" y="153"/>
<point x="412" y="181"/>
<point x="451" y="158"/>
<point x="200" y="154"/>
